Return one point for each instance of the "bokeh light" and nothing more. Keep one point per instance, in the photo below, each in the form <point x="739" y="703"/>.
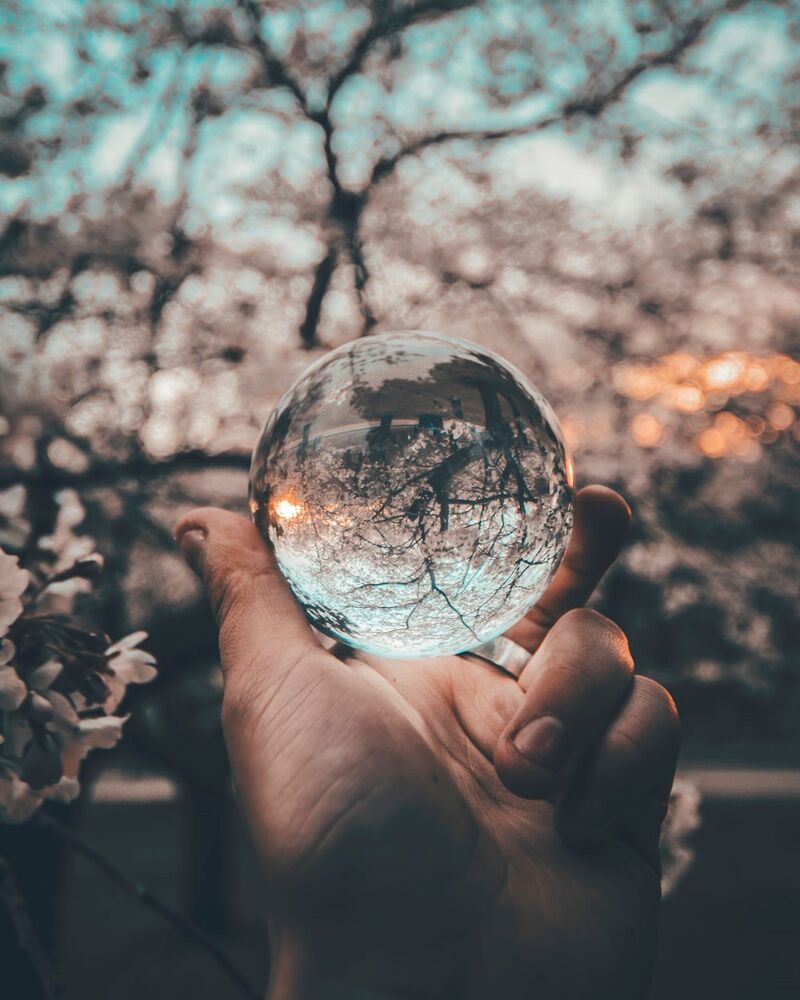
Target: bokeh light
<point x="694" y="384"/>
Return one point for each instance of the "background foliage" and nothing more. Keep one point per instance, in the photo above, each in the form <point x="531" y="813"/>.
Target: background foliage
<point x="200" y="197"/>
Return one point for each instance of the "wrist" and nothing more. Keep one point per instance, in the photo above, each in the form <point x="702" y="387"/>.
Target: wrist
<point x="323" y="966"/>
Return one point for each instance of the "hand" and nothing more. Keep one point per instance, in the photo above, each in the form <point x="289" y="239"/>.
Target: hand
<point x="434" y="828"/>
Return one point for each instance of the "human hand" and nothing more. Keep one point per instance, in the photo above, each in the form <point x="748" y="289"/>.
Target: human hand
<point x="434" y="828"/>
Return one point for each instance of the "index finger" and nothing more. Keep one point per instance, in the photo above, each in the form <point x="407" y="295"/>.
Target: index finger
<point x="601" y="523"/>
<point x="256" y="612"/>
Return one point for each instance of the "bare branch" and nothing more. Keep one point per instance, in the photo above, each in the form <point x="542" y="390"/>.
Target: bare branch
<point x="157" y="126"/>
<point x="138" y="467"/>
<point x="385" y="27"/>
<point x="274" y="70"/>
<point x="319" y="287"/>
<point x="591" y="105"/>
<point x="385" y="166"/>
<point x="28" y="940"/>
<point x="361" y="278"/>
<point x="152" y="902"/>
<point x="669" y="57"/>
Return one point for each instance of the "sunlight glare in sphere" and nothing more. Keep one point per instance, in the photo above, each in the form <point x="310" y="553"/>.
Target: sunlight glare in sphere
<point x="287" y="509"/>
<point x="416" y="492"/>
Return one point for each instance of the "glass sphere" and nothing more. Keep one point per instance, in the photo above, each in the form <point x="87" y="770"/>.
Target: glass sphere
<point x="416" y="491"/>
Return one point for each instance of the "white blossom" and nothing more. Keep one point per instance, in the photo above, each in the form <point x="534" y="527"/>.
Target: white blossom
<point x="42" y="677"/>
<point x="47" y="725"/>
<point x="14" y="527"/>
<point x="68" y="547"/>
<point x="18" y="801"/>
<point x="13" y="584"/>
<point x="12" y="689"/>
<point x="129" y="665"/>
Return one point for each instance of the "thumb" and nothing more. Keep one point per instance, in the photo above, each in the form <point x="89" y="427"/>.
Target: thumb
<point x="262" y="629"/>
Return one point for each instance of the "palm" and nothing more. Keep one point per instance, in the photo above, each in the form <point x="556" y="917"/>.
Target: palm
<point x="404" y="810"/>
<point x="404" y="803"/>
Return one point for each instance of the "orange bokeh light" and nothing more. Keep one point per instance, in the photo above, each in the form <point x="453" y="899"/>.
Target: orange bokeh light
<point x="691" y="383"/>
<point x="781" y="416"/>
<point x="711" y="442"/>
<point x="646" y="430"/>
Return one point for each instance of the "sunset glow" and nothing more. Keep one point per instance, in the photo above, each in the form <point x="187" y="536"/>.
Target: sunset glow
<point x="288" y="509"/>
<point x="685" y="383"/>
<point x="688" y="382"/>
<point x="646" y="430"/>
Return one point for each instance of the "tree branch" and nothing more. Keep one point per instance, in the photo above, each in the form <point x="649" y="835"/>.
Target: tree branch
<point x="591" y="105"/>
<point x="149" y="900"/>
<point x="274" y="70"/>
<point x="385" y="27"/>
<point x="27" y="937"/>
<point x="361" y="279"/>
<point x="319" y="287"/>
<point x="385" y="166"/>
<point x="138" y="467"/>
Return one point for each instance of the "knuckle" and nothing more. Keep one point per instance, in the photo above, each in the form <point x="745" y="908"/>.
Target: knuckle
<point x="587" y="620"/>
<point x="621" y="744"/>
<point x="599" y="644"/>
<point x="659" y="701"/>
<point x="659" y="705"/>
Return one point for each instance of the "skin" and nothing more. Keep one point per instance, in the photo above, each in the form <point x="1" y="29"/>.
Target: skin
<point x="411" y="850"/>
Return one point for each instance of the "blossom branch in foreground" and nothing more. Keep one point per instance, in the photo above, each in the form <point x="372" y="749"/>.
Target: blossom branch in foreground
<point x="26" y="933"/>
<point x="143" y="894"/>
<point x="60" y="683"/>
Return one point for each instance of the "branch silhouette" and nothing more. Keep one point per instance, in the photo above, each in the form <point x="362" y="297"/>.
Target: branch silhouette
<point x="149" y="900"/>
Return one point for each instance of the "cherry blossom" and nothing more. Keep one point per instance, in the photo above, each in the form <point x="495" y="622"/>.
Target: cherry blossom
<point x="13" y="584"/>
<point x="60" y="684"/>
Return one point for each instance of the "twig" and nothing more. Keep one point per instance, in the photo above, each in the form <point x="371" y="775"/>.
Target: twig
<point x="275" y="72"/>
<point x="148" y="899"/>
<point x="138" y="467"/>
<point x="28" y="939"/>
<point x="386" y="27"/>
<point x="591" y="105"/>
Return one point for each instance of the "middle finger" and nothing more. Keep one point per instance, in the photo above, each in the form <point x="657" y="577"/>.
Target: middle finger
<point x="576" y="681"/>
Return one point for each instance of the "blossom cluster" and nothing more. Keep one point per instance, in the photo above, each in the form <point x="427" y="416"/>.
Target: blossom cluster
<point x="60" y="683"/>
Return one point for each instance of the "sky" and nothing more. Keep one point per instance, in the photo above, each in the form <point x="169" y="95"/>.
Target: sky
<point x="439" y="82"/>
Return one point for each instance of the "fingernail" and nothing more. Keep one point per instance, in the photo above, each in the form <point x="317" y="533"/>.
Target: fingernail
<point x="543" y="741"/>
<point x="192" y="543"/>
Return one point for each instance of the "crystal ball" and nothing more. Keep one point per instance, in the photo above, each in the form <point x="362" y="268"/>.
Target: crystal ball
<point x="416" y="491"/>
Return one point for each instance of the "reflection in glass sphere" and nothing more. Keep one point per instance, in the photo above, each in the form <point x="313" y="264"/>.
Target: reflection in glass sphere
<point x="416" y="491"/>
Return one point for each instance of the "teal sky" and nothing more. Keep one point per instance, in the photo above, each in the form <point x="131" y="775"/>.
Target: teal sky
<point x="709" y="114"/>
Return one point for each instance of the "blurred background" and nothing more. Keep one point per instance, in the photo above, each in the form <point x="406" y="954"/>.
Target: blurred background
<point x="199" y="198"/>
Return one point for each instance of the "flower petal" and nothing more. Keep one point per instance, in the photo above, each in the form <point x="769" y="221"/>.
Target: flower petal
<point x="13" y="579"/>
<point x="64" y="715"/>
<point x="12" y="689"/>
<point x="127" y="642"/>
<point x="10" y="609"/>
<point x="42" y="677"/>
<point x="116" y="692"/>
<point x="134" y="671"/>
<point x="18" y="801"/>
<point x="104" y="732"/>
<point x="64" y="791"/>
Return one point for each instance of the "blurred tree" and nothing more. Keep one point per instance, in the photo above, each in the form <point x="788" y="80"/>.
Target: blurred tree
<point x="198" y="194"/>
